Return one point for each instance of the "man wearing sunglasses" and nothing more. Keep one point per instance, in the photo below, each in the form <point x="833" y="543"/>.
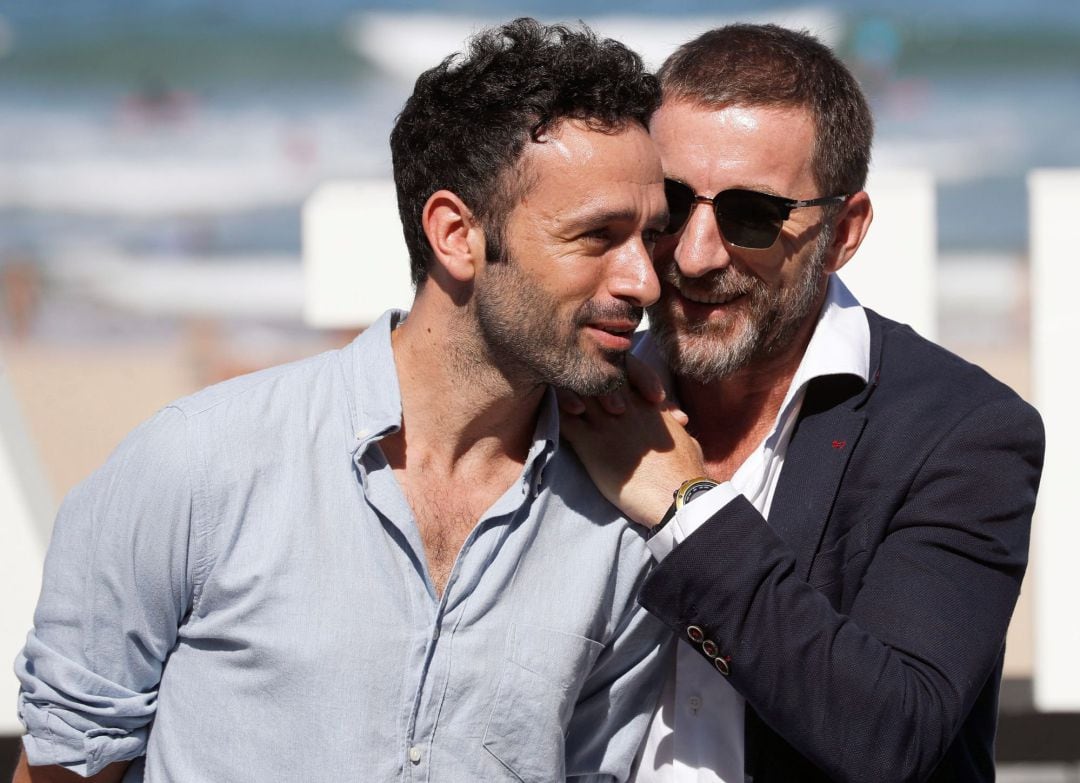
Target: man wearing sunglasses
<point x="852" y="503"/>
<point x="379" y="564"/>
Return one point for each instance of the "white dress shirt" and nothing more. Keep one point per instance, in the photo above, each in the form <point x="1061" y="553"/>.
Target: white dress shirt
<point x="697" y="732"/>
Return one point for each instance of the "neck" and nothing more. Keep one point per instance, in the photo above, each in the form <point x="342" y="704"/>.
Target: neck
<point x="456" y="407"/>
<point x="732" y="415"/>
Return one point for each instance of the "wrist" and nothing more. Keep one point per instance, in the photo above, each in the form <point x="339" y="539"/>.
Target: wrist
<point x="683" y="494"/>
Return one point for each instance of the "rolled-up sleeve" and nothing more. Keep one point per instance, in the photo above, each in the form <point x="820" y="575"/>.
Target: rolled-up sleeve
<point x="119" y="578"/>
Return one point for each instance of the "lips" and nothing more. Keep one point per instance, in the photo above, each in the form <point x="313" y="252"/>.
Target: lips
<point x="616" y="327"/>
<point x="711" y="299"/>
<point x="698" y="306"/>
<point x="707" y="296"/>
<point x="614" y="335"/>
<point x="712" y="290"/>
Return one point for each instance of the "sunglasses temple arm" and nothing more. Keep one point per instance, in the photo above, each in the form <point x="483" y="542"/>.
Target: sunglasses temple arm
<point x="817" y="202"/>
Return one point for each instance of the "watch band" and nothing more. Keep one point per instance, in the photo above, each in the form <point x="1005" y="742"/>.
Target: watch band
<point x="668" y="516"/>
<point x="687" y="491"/>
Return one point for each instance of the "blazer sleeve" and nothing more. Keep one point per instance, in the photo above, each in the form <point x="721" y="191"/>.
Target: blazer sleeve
<point x="878" y="693"/>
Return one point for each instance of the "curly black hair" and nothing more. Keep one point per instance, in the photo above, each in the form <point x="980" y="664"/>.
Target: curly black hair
<point x="469" y="118"/>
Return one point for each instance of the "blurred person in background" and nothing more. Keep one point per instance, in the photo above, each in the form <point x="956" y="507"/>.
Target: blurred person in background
<point x="852" y="503"/>
<point x="378" y="563"/>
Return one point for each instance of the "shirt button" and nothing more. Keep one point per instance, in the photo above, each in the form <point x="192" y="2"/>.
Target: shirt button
<point x="695" y="703"/>
<point x="414" y="754"/>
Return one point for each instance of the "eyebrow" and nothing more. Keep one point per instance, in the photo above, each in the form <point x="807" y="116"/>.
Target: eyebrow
<point x="603" y="218"/>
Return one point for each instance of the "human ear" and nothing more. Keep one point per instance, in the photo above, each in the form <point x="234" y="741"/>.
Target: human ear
<point x="852" y="223"/>
<point x="454" y="234"/>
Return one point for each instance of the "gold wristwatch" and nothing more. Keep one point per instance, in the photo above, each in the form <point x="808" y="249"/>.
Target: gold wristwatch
<point x="687" y="491"/>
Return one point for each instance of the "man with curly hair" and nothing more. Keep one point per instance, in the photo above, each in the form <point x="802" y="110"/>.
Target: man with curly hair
<point x="379" y="563"/>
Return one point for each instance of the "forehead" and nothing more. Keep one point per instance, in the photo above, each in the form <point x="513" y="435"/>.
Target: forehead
<point x="762" y="147"/>
<point x="572" y="164"/>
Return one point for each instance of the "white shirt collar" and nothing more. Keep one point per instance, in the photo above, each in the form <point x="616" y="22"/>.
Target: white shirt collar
<point x="840" y="344"/>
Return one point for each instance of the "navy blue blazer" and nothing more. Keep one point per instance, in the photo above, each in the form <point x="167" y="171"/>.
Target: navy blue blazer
<point x="865" y="622"/>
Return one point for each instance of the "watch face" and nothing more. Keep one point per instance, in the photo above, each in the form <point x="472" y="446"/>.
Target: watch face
<point x="693" y="489"/>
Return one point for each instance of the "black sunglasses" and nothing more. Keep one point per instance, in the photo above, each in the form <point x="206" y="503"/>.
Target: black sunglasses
<point x="746" y="218"/>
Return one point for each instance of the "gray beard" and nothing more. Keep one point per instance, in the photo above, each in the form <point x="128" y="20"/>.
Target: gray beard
<point x="774" y="319"/>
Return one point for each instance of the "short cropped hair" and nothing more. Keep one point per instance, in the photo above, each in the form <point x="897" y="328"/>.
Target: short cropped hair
<point x="768" y="65"/>
<point x="469" y="118"/>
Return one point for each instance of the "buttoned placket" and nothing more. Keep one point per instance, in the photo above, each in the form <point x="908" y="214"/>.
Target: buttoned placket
<point x="385" y="496"/>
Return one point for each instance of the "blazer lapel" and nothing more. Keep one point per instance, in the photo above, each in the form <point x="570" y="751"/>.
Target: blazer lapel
<point x="817" y="456"/>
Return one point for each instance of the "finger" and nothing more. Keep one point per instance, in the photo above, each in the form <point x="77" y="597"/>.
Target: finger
<point x="679" y="415"/>
<point x="577" y="429"/>
<point x="644" y="380"/>
<point x="614" y="402"/>
<point x="569" y="402"/>
<point x="570" y="425"/>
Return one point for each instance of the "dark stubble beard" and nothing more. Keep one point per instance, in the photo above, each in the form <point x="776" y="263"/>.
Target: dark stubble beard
<point x="774" y="317"/>
<point x="529" y="342"/>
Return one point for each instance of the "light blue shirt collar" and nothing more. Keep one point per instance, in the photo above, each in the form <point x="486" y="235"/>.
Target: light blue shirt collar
<point x="377" y="394"/>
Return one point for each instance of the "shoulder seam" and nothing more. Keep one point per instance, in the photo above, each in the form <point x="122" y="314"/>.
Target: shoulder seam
<point x="282" y="371"/>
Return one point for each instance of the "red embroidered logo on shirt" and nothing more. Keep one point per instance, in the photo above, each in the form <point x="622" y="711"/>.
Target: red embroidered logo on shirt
<point x="839" y="444"/>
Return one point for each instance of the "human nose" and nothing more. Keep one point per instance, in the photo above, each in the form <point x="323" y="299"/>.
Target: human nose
<point x="634" y="277"/>
<point x="700" y="247"/>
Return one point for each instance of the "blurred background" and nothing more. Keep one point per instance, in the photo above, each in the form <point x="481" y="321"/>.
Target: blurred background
<point x="155" y="157"/>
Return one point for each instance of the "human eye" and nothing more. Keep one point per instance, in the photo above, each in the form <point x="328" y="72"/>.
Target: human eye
<point x="599" y="238"/>
<point x="651" y="236"/>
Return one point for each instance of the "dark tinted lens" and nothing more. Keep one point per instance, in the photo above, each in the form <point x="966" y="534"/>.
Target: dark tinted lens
<point x="749" y="219"/>
<point x="680" y="200"/>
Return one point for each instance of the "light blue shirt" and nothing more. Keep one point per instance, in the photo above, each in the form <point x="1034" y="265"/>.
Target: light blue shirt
<point x="241" y="594"/>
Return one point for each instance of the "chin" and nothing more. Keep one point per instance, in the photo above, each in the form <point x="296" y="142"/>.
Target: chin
<point x="594" y="380"/>
<point x="708" y="357"/>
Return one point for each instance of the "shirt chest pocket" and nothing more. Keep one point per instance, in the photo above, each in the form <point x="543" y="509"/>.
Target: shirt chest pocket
<point x="542" y="674"/>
